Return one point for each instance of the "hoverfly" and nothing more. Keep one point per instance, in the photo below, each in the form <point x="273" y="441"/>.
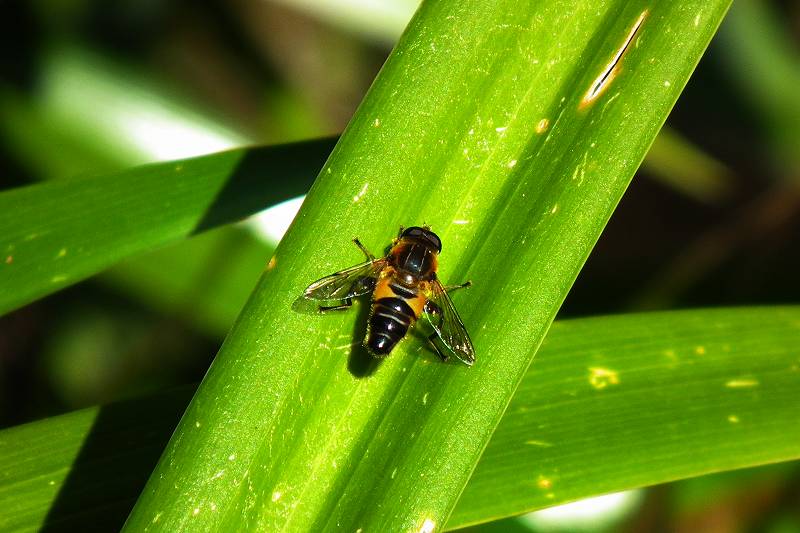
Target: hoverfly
<point x="404" y="285"/>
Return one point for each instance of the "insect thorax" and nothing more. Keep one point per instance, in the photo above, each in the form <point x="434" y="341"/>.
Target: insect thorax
<point x="413" y="260"/>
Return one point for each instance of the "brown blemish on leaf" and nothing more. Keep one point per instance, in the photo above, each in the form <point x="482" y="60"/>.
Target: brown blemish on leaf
<point x="601" y="83"/>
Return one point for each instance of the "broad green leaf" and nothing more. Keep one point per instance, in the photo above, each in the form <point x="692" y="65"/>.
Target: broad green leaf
<point x="56" y="234"/>
<point x="612" y="403"/>
<point x="624" y="402"/>
<point x="672" y="159"/>
<point x="512" y="129"/>
<point x="83" y="469"/>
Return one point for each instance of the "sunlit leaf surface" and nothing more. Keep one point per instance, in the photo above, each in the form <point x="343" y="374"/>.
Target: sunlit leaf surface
<point x="611" y="403"/>
<point x="615" y="403"/>
<point x="513" y="130"/>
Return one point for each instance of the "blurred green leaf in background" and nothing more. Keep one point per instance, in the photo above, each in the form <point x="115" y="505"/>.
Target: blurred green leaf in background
<point x="114" y="291"/>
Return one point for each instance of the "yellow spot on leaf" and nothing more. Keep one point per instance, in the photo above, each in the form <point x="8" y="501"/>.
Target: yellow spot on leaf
<point x="743" y="383"/>
<point x="600" y="378"/>
<point x="700" y="350"/>
<point x="276" y="496"/>
<point x="541" y="443"/>
<point x="542" y="126"/>
<point x="733" y="419"/>
<point x="544" y="483"/>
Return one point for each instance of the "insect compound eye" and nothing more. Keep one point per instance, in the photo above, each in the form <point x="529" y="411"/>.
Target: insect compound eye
<point x="434" y="240"/>
<point x="415" y="232"/>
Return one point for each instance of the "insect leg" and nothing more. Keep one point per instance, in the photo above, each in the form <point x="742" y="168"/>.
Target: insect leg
<point x="451" y="288"/>
<point x="443" y="356"/>
<point x="346" y="304"/>
<point x="364" y="249"/>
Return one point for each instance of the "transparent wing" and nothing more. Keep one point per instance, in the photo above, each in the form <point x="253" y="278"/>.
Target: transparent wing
<point x="348" y="283"/>
<point x="448" y="325"/>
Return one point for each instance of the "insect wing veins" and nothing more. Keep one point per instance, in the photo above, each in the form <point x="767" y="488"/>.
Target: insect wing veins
<point x="351" y="282"/>
<point x="445" y="321"/>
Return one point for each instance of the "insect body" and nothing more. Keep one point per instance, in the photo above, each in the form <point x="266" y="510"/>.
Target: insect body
<point x="404" y="286"/>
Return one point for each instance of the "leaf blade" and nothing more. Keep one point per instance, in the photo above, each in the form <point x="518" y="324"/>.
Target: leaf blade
<point x="505" y="482"/>
<point x="652" y="397"/>
<point x="280" y="398"/>
<point x="58" y="233"/>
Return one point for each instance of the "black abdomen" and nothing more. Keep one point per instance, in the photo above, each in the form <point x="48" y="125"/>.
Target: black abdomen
<point x="389" y="321"/>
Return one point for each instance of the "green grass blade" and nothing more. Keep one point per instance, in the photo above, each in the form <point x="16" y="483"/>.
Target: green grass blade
<point x="615" y="403"/>
<point x="662" y="411"/>
<point x="56" y="234"/>
<point x="84" y="467"/>
<point x="496" y="124"/>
